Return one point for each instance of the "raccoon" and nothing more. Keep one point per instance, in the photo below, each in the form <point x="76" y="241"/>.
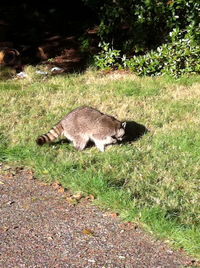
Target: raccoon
<point x="84" y="124"/>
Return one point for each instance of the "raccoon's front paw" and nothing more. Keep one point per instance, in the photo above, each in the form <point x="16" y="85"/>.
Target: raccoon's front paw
<point x="101" y="147"/>
<point x="113" y="141"/>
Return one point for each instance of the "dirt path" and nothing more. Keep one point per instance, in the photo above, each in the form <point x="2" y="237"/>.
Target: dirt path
<point x="40" y="226"/>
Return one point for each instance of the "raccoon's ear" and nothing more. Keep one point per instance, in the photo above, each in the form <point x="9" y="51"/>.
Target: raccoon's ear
<point x="124" y="125"/>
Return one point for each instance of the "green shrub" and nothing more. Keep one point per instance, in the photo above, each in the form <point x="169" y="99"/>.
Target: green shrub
<point x="181" y="55"/>
<point x="139" y="25"/>
<point x="107" y="58"/>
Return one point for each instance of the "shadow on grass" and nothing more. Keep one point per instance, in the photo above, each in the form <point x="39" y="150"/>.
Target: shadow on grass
<point x="133" y="131"/>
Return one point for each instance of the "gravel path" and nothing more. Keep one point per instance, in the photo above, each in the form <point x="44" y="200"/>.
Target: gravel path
<point x="42" y="226"/>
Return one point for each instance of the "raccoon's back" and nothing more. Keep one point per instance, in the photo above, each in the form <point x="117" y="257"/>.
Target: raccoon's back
<point x="88" y="120"/>
<point x="82" y="118"/>
<point x="83" y="112"/>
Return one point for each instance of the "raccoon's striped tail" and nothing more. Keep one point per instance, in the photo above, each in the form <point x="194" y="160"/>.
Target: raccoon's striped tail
<point x="53" y="134"/>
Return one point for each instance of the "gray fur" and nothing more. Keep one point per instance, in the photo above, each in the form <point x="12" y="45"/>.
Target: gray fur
<point x="86" y="123"/>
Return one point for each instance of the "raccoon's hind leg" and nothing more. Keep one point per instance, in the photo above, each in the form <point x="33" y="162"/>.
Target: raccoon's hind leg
<point x="80" y="142"/>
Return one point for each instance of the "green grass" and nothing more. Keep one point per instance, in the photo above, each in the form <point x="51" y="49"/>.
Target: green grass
<point x="153" y="181"/>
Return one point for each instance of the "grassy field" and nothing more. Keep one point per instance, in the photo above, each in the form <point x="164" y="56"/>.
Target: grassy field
<point x="154" y="181"/>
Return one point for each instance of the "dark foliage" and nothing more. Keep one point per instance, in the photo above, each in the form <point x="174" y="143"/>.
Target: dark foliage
<point x="27" y="25"/>
<point x="42" y="30"/>
<point x="139" y="25"/>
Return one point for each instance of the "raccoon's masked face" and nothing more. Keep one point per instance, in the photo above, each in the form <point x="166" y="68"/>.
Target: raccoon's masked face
<point x="121" y="132"/>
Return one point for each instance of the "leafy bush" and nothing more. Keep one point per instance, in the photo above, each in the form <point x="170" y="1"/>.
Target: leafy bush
<point x="139" y="25"/>
<point x="159" y="36"/>
<point x="107" y="58"/>
<point x="181" y="55"/>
